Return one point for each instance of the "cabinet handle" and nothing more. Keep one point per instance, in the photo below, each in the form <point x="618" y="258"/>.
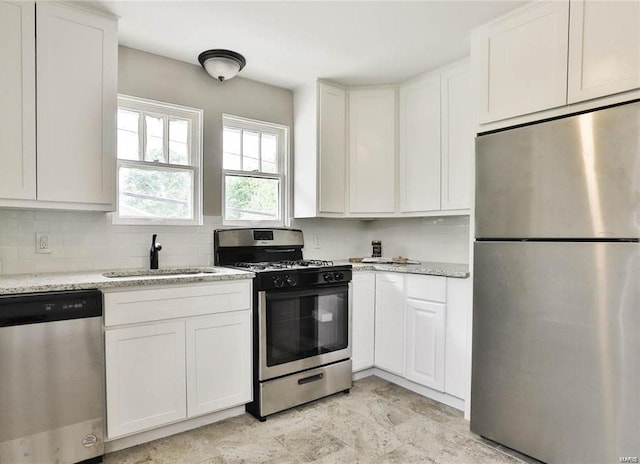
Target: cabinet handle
<point x="313" y="378"/>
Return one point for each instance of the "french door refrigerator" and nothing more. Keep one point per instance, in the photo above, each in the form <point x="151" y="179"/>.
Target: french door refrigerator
<point x="556" y="324"/>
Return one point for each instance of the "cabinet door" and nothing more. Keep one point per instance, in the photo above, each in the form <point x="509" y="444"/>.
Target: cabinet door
<point x="372" y="115"/>
<point x="419" y="134"/>
<point x="146" y="384"/>
<point x="218" y="362"/>
<point x="77" y="86"/>
<point x="604" y="48"/>
<point x="457" y="358"/>
<point x="389" y="323"/>
<point x="17" y="100"/>
<point x="363" y="293"/>
<point x="425" y="343"/>
<point x="331" y="148"/>
<point x="523" y="61"/>
<point x="457" y="137"/>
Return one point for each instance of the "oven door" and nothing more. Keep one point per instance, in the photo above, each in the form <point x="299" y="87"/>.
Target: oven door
<point x="302" y="329"/>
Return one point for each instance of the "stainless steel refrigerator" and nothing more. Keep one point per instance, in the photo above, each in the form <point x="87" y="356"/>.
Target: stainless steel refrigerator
<point x="556" y="323"/>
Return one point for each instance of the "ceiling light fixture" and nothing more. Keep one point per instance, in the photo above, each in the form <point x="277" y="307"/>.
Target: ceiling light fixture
<point x="222" y="64"/>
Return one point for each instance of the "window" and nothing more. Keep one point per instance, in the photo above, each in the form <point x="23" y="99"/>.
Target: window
<point x="159" y="163"/>
<point x="254" y="172"/>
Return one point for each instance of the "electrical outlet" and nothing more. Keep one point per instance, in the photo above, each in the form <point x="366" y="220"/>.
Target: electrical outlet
<point x="316" y="241"/>
<point x="42" y="243"/>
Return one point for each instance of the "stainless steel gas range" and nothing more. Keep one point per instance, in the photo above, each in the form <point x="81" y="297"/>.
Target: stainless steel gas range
<point x="302" y="337"/>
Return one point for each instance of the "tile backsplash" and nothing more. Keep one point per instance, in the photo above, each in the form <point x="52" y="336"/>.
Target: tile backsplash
<point x="83" y="241"/>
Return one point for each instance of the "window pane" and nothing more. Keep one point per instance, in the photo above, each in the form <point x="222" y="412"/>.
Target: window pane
<point x="251" y="198"/>
<point x="128" y="141"/>
<point x="128" y="120"/>
<point x="231" y="147"/>
<point x="155" y="193"/>
<point x="178" y="141"/>
<point x="128" y="145"/>
<point x="250" y="150"/>
<point x="232" y="161"/>
<point x="269" y="153"/>
<point x="155" y="139"/>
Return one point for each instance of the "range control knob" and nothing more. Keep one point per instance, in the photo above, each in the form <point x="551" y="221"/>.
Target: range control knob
<point x="328" y="277"/>
<point x="278" y="281"/>
<point x="338" y="276"/>
<point x="291" y="281"/>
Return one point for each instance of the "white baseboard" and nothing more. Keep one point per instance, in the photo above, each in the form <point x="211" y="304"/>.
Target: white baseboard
<point x="172" y="429"/>
<point x="441" y="397"/>
<point x="363" y="373"/>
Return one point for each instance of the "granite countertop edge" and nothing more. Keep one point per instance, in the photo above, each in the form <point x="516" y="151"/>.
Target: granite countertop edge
<point x="454" y="270"/>
<point x="51" y="282"/>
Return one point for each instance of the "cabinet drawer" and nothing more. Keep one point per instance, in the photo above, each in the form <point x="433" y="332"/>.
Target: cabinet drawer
<point x="432" y="288"/>
<point x="152" y="304"/>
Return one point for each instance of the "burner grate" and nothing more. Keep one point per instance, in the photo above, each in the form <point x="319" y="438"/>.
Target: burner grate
<point x="287" y="264"/>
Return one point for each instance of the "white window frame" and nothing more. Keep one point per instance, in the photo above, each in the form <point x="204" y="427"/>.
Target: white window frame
<point x="166" y="110"/>
<point x="283" y="161"/>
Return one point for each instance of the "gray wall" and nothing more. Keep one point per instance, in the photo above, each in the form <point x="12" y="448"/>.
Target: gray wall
<point x="151" y="76"/>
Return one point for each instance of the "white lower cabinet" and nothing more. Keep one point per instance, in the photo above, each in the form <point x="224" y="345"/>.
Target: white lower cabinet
<point x="216" y="379"/>
<point x="187" y="364"/>
<point x="146" y="383"/>
<point x="389" y="322"/>
<point x="425" y="306"/>
<point x="421" y="328"/>
<point x="363" y="288"/>
<point x="425" y="332"/>
<point x="457" y="337"/>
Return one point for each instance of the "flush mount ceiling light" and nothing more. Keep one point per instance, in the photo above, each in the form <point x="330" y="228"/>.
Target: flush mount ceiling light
<point x="222" y="64"/>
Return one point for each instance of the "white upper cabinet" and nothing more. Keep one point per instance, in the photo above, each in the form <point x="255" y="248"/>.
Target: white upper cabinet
<point x="331" y="148"/>
<point x="77" y="86"/>
<point x="18" y="101"/>
<point x="436" y="132"/>
<point x="419" y="134"/>
<point x="458" y="137"/>
<point x="550" y="55"/>
<point x="604" y="48"/>
<point x="345" y="147"/>
<point x="523" y="61"/>
<point x="69" y="55"/>
<point x="372" y="160"/>
<point x="320" y="152"/>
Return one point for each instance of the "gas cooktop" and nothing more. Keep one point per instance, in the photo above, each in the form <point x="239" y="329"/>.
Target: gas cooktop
<point x="283" y="265"/>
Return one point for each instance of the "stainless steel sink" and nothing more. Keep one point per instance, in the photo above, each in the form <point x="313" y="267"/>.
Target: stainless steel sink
<point x="160" y="272"/>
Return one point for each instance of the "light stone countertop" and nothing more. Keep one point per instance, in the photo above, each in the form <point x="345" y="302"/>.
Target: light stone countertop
<point x="459" y="271"/>
<point x="31" y="283"/>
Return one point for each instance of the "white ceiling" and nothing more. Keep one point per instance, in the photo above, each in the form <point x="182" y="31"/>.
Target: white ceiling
<point x="288" y="43"/>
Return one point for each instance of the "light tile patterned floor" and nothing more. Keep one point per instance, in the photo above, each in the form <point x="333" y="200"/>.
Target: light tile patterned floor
<point x="378" y="422"/>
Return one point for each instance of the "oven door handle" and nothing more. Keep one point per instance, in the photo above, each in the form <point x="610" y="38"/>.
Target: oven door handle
<point x="312" y="378"/>
<point x="275" y="250"/>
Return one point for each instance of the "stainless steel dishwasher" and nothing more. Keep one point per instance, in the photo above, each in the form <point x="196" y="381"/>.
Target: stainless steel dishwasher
<point x="51" y="377"/>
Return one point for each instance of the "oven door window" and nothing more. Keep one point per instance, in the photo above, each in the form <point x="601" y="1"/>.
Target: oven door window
<point x="302" y="324"/>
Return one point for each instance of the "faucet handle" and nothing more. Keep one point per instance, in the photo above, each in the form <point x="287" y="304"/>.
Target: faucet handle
<point x="155" y="245"/>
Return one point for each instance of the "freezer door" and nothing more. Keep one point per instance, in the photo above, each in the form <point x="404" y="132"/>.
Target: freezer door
<point x="556" y="349"/>
<point x="577" y="177"/>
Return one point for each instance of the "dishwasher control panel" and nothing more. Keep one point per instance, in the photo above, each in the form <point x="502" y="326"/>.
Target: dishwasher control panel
<point x="32" y="308"/>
